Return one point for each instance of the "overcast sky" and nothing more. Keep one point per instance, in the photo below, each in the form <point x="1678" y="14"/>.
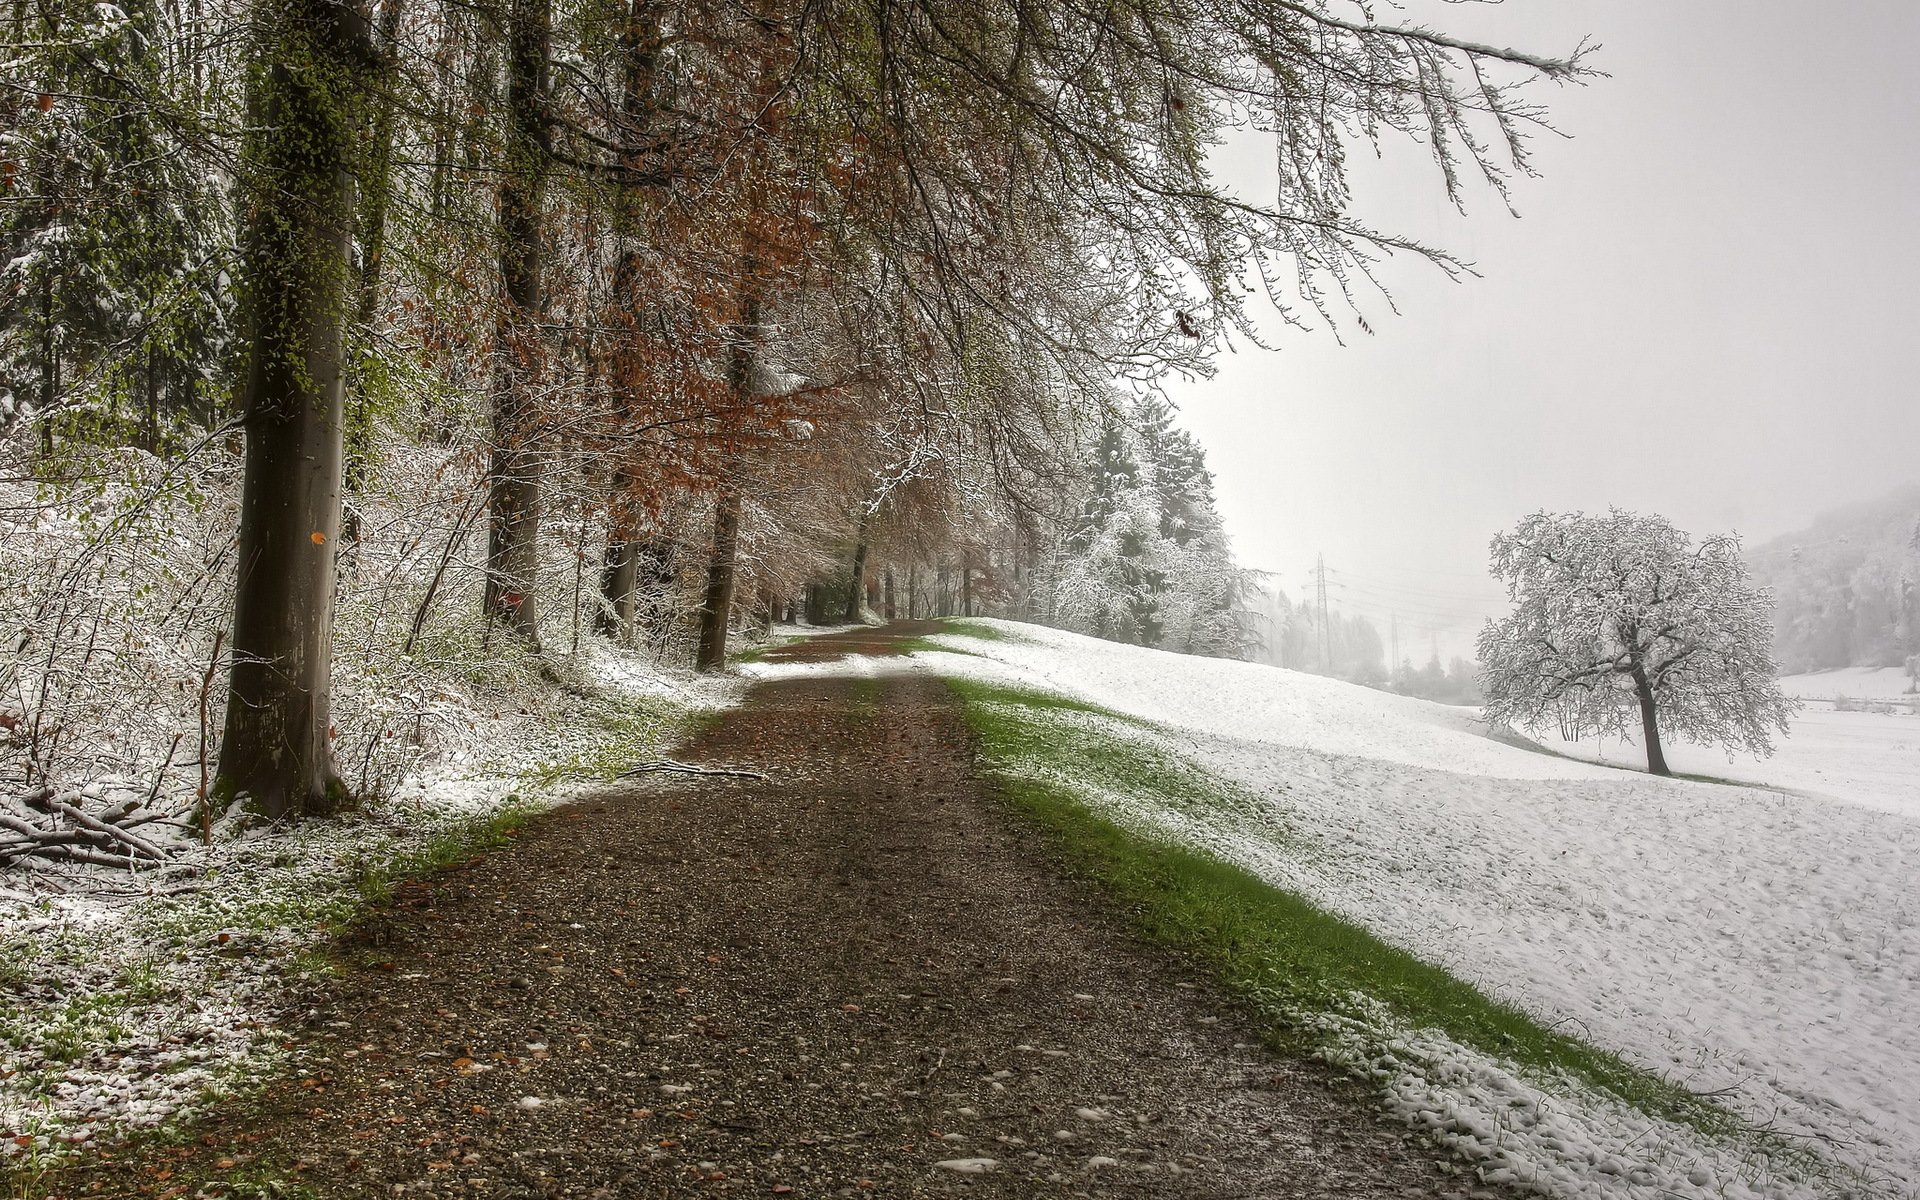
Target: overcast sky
<point x="1706" y="309"/>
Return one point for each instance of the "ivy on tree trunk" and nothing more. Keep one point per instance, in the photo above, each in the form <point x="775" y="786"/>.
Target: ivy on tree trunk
<point x="311" y="66"/>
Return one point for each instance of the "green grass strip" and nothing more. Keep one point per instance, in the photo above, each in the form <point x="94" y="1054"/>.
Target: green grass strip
<point x="1281" y="955"/>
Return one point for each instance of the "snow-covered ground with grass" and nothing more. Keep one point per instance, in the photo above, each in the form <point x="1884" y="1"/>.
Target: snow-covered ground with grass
<point x="1763" y="946"/>
<point x="1851" y="683"/>
<point x="131" y="1000"/>
<point x="1849" y="757"/>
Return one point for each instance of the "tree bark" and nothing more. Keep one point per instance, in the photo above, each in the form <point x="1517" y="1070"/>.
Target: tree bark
<point x="966" y="589"/>
<point x="620" y="569"/>
<point x="857" y="586"/>
<point x="726" y="525"/>
<point x="376" y="194"/>
<point x="719" y="596"/>
<point x="1649" y="724"/>
<point x="640" y="44"/>
<point x="888" y="609"/>
<point x="618" y="572"/>
<point x="277" y="749"/>
<point x="513" y="549"/>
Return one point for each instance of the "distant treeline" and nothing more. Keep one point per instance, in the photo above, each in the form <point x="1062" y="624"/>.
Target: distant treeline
<point x="1847" y="589"/>
<point x="1286" y="634"/>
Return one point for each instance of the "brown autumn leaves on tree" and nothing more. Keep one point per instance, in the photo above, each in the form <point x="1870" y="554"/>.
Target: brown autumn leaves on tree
<point x="873" y="260"/>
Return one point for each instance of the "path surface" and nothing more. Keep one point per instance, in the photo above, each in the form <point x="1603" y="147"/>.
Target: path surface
<point x="826" y="984"/>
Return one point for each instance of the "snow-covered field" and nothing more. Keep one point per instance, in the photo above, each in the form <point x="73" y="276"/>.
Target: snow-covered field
<point x="1855" y="683"/>
<point x="1761" y="945"/>
<point x="1861" y="758"/>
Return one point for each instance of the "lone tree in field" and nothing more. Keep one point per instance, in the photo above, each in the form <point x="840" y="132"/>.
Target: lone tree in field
<point x="1623" y="616"/>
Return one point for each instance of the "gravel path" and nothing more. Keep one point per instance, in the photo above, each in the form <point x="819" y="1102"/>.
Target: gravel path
<point x="854" y="978"/>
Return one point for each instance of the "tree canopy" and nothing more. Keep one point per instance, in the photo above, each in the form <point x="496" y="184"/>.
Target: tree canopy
<point x="683" y="310"/>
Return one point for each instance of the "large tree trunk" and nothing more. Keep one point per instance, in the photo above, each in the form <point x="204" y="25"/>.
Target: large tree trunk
<point x="296" y="259"/>
<point x="376" y="193"/>
<point x="719" y="596"/>
<point x="857" y="586"/>
<point x="640" y="43"/>
<point x="888" y="603"/>
<point x="620" y="569"/>
<point x="513" y="538"/>
<point x="1649" y="724"/>
<point x="714" y="612"/>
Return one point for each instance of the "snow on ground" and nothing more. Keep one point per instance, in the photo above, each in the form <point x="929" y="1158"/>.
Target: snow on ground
<point x="1852" y="757"/>
<point x="1736" y="939"/>
<point x="1858" y="683"/>
<point x="131" y="1000"/>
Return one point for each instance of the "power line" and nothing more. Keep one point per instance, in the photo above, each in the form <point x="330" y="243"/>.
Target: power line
<point x="1401" y="589"/>
<point x="1388" y="605"/>
<point x="1326" y="658"/>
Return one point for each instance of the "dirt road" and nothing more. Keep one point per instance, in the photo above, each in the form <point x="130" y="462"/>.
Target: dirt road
<point x="855" y="977"/>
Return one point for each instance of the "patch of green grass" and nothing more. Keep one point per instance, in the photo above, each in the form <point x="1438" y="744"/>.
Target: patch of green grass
<point x="866" y="698"/>
<point x="757" y="650"/>
<point x="140" y="983"/>
<point x="83" y="1023"/>
<point x="448" y="847"/>
<point x="14" y="955"/>
<point x="970" y="627"/>
<point x="960" y="627"/>
<point x="1285" y="958"/>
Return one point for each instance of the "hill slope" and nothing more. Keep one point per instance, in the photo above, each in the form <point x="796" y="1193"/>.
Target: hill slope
<point x="1734" y="939"/>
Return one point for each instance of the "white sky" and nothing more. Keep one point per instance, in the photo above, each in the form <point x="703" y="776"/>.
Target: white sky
<point x="1706" y="310"/>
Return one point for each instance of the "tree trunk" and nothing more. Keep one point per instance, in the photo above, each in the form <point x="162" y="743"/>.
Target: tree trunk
<point x="640" y="43"/>
<point x="726" y="526"/>
<point x="966" y="589"/>
<point x="297" y="260"/>
<point x="151" y="419"/>
<point x="856" y="587"/>
<point x="513" y="548"/>
<point x="719" y="596"/>
<point x="620" y="569"/>
<point x="376" y="192"/>
<point x="618" y="572"/>
<point x="888" y="609"/>
<point x="1649" y="724"/>
<point x="49" y="368"/>
<point x="766" y="610"/>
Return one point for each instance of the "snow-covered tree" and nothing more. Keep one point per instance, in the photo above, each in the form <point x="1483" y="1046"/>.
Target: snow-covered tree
<point x="1148" y="561"/>
<point x="1621" y="617"/>
<point x="115" y="235"/>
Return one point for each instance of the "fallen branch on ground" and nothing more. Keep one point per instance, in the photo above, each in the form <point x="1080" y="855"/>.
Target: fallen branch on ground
<point x="680" y="768"/>
<point x="70" y="833"/>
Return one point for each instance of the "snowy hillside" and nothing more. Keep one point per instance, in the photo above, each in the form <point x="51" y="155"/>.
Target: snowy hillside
<point x="1741" y="941"/>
